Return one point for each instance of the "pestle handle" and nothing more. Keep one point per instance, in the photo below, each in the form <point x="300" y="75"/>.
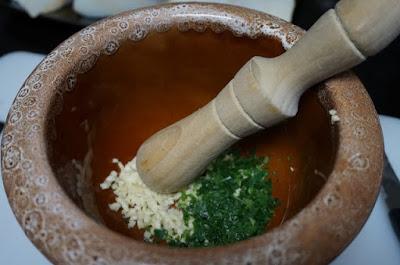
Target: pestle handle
<point x="267" y="91"/>
<point x="371" y="24"/>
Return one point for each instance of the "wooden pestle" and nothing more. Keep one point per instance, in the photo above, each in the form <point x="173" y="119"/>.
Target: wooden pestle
<point x="267" y="91"/>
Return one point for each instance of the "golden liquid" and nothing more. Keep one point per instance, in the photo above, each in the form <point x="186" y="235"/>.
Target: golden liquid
<point x="150" y="84"/>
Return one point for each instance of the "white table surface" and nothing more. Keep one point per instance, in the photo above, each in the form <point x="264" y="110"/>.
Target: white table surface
<point x="375" y="244"/>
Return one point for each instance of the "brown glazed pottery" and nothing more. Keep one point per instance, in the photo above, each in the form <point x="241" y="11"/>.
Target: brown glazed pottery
<point x="89" y="101"/>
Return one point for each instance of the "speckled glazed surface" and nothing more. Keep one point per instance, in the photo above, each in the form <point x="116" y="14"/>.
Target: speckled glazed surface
<point x="66" y="235"/>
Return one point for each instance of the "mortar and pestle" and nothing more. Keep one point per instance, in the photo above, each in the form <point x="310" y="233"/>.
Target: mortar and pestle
<point x="57" y="142"/>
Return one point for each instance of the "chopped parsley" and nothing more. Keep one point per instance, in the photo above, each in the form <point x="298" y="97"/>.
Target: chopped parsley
<point x="232" y="201"/>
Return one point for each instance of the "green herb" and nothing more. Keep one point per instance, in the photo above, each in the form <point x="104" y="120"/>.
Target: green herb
<point x="232" y="201"/>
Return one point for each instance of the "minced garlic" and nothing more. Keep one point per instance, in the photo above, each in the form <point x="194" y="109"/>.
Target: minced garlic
<point x="334" y="116"/>
<point x="141" y="206"/>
